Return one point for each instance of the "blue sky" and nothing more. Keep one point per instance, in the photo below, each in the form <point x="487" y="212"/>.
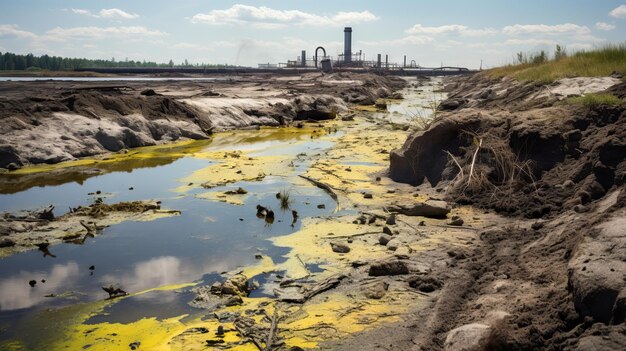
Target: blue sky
<point x="251" y="32"/>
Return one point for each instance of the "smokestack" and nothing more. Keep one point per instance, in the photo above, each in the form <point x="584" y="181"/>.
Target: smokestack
<point x="303" y="58"/>
<point x="347" y="45"/>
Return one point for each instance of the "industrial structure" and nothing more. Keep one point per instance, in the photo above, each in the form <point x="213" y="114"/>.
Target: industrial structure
<point x="349" y="60"/>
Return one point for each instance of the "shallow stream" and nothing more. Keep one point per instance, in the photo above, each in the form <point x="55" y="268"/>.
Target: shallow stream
<point x="212" y="235"/>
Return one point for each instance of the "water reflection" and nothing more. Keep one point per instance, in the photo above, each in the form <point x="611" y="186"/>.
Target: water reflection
<point x="15" y="293"/>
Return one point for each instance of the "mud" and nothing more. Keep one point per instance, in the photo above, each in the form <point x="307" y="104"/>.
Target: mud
<point x="41" y="230"/>
<point x="547" y="279"/>
<point x="54" y="121"/>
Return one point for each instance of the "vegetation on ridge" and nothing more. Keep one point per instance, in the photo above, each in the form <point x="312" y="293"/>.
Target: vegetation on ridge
<point x="538" y="68"/>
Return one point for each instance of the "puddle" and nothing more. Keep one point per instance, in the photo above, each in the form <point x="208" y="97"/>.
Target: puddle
<point x="208" y="238"/>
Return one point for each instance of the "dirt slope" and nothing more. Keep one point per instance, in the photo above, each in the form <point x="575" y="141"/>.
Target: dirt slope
<point x="554" y="277"/>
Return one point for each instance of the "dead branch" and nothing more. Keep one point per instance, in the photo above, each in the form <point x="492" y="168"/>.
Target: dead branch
<point x="322" y="186"/>
<point x="270" y="335"/>
<point x="351" y="235"/>
<point x="249" y="337"/>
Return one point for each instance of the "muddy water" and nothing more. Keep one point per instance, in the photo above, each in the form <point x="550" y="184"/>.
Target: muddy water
<point x="209" y="237"/>
<point x="160" y="258"/>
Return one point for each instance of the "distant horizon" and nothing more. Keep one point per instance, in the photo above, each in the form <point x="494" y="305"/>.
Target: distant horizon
<point x="459" y="33"/>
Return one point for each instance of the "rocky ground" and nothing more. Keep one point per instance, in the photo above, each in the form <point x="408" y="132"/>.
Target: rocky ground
<point x="554" y="277"/>
<point x="54" y="121"/>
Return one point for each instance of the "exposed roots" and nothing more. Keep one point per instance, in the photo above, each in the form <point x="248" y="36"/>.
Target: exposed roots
<point x="488" y="165"/>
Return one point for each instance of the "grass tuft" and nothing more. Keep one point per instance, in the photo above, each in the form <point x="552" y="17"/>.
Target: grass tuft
<point x="594" y="100"/>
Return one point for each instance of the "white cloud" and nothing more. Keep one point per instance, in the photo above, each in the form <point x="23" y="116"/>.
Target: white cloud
<point x="107" y="13"/>
<point x="59" y="33"/>
<point x="117" y="13"/>
<point x="268" y="18"/>
<point x="12" y="30"/>
<point x="604" y="26"/>
<point x="619" y="12"/>
<point x="566" y="28"/>
<point x="451" y="29"/>
<point x="409" y="40"/>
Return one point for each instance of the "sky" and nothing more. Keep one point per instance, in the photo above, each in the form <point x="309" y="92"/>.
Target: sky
<point x="433" y="33"/>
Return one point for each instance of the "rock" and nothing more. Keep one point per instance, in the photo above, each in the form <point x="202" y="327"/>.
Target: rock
<point x="469" y="337"/>
<point x="430" y="208"/>
<point x="339" y="247"/>
<point x="220" y="330"/>
<point x="321" y="206"/>
<point x="6" y="242"/>
<point x="456" y="221"/>
<point x="235" y="300"/>
<point x="388" y="268"/>
<point x="148" y="92"/>
<point x="235" y="285"/>
<point x="393" y="244"/>
<point x="12" y="166"/>
<point x="596" y="272"/>
<point x="386" y="230"/>
<point x="375" y="290"/>
<point x="537" y="225"/>
<point x="425" y="284"/>
<point x="367" y="196"/>
<point x="134" y="345"/>
<point x="451" y="104"/>
<point x="391" y="220"/>
<point x="384" y="239"/>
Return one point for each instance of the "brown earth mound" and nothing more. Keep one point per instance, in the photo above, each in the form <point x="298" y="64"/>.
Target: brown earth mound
<point x="555" y="282"/>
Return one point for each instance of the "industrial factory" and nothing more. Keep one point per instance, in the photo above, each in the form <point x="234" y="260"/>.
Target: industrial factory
<point x="349" y="60"/>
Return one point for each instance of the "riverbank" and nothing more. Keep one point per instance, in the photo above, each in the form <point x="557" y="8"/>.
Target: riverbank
<point x="553" y="161"/>
<point x="55" y="121"/>
<point x="512" y="239"/>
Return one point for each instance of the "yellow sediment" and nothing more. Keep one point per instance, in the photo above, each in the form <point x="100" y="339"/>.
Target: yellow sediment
<point x="137" y="157"/>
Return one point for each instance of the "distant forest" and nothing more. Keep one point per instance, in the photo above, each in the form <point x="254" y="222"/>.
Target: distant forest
<point x="10" y="62"/>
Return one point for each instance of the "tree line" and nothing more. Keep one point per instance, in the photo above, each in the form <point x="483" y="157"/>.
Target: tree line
<point x="10" y="62"/>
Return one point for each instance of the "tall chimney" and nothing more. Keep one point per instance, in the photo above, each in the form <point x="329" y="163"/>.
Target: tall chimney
<point x="347" y="45"/>
<point x="303" y="58"/>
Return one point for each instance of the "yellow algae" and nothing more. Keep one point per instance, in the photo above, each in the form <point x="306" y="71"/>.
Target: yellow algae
<point x="146" y="156"/>
<point x="234" y="168"/>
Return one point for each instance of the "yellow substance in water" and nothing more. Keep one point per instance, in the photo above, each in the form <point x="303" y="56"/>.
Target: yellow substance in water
<point x="350" y="168"/>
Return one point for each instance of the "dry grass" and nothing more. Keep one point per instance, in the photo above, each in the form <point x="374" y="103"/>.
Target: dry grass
<point x="487" y="165"/>
<point x="285" y="199"/>
<point x="598" y="63"/>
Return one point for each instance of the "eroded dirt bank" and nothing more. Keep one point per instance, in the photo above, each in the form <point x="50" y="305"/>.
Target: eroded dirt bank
<point x="54" y="121"/>
<point x="553" y="277"/>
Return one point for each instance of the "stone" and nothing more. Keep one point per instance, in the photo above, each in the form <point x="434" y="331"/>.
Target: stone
<point x="368" y="196"/>
<point x="393" y="244"/>
<point x="388" y="268"/>
<point x="456" y="221"/>
<point x="391" y="220"/>
<point x="429" y="208"/>
<point x="339" y="247"/>
<point x="386" y="230"/>
<point x="425" y="284"/>
<point x="596" y="272"/>
<point x="375" y="290"/>
<point x="6" y="242"/>
<point x="468" y="337"/>
<point x="12" y="166"/>
<point x="235" y="285"/>
<point x="383" y="239"/>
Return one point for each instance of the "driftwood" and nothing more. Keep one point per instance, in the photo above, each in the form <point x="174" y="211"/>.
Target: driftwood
<point x="272" y="332"/>
<point x="352" y="235"/>
<point x="319" y="288"/>
<point x="322" y="186"/>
